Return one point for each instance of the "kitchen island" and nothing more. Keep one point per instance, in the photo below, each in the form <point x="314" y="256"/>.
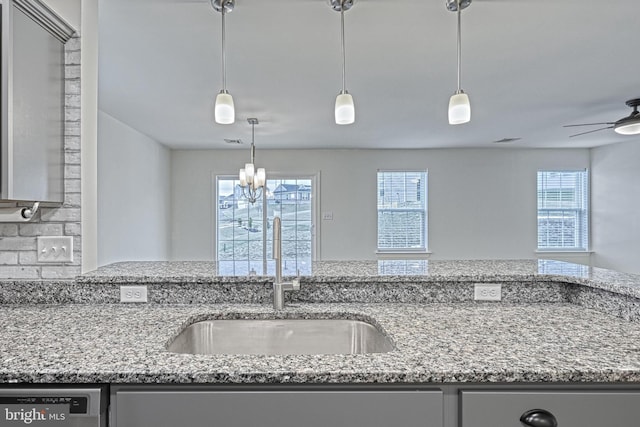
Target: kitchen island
<point x="563" y="343"/>
<point x="556" y="322"/>
<point x="433" y="343"/>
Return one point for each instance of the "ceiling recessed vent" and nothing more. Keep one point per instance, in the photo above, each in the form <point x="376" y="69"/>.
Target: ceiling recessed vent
<point x="233" y="141"/>
<point x="506" y="140"/>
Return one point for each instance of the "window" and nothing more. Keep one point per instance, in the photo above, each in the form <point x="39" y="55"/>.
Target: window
<point x="244" y="230"/>
<point x="402" y="211"/>
<point x="563" y="210"/>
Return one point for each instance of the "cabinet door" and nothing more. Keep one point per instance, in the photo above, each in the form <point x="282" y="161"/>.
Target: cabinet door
<point x="32" y="157"/>
<point x="278" y="409"/>
<point x="570" y="408"/>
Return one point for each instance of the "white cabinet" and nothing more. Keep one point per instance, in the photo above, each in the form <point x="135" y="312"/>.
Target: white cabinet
<point x="32" y="108"/>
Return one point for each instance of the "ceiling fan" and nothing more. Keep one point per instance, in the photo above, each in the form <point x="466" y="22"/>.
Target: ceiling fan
<point x="629" y="125"/>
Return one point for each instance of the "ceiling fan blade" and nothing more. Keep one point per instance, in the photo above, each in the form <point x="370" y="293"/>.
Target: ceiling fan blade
<point x="590" y="124"/>
<point x="591" y="131"/>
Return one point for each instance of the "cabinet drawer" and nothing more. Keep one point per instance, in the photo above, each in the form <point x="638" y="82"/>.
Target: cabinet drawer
<point x="278" y="408"/>
<point x="570" y="408"/>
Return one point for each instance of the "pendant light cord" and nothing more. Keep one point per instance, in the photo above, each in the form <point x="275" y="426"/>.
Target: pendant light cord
<point x="459" y="42"/>
<point x="344" y="56"/>
<point x="224" y="68"/>
<point x="253" y="140"/>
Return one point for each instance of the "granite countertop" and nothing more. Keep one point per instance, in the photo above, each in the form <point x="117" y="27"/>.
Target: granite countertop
<point x="434" y="343"/>
<point x="382" y="271"/>
<point x="556" y="322"/>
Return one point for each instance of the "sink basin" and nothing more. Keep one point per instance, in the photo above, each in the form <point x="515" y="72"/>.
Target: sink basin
<point x="280" y="336"/>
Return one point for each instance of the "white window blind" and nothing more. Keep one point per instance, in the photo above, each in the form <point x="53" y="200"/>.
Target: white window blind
<point x="402" y="211"/>
<point x="563" y="210"/>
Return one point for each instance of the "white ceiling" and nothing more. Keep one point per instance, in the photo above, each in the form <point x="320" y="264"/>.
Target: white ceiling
<point x="529" y="67"/>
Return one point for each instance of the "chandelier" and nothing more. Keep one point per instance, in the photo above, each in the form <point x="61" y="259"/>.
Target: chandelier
<point x="252" y="180"/>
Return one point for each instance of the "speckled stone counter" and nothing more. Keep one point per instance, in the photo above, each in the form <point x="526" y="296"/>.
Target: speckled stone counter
<point x="434" y="343"/>
<point x="557" y="322"/>
<point x="383" y="271"/>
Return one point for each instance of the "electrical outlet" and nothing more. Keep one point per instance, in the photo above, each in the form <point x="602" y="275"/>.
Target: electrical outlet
<point x="487" y="292"/>
<point x="55" y="248"/>
<point x="133" y="294"/>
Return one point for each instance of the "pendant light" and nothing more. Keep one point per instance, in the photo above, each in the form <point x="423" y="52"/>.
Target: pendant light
<point x="345" y="112"/>
<point x="225" y="112"/>
<point x="252" y="180"/>
<point x="459" y="106"/>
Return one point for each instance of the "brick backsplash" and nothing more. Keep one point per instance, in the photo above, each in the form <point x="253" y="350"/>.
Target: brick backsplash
<point x="18" y="241"/>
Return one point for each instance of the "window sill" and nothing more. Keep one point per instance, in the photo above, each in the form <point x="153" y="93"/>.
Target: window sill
<point x="569" y="254"/>
<point x="403" y="254"/>
<point x="560" y="251"/>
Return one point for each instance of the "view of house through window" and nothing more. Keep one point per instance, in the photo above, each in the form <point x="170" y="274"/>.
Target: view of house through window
<point x="563" y="210"/>
<point x="402" y="211"/>
<point x="245" y="230"/>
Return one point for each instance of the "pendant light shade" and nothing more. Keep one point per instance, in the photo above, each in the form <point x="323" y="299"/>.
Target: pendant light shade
<point x="224" y="112"/>
<point x="459" y="105"/>
<point x="345" y="109"/>
<point x="459" y="108"/>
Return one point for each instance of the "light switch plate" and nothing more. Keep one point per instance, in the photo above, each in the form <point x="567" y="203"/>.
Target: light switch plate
<point x="55" y="249"/>
<point x="327" y="216"/>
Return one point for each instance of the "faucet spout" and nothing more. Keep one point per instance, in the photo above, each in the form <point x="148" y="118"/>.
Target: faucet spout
<point x="279" y="287"/>
<point x="277" y="247"/>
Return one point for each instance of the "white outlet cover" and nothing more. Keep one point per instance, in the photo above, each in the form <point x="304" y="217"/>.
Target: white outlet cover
<point x="487" y="292"/>
<point x="55" y="249"/>
<point x="133" y="293"/>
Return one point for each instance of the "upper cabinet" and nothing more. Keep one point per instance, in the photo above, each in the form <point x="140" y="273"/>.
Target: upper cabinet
<point x="33" y="99"/>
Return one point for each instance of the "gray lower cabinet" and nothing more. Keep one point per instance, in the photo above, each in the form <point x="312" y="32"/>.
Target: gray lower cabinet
<point x="289" y="408"/>
<point x="485" y="408"/>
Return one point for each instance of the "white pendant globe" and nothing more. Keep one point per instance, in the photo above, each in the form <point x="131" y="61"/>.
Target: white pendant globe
<point x="225" y="112"/>
<point x="459" y="108"/>
<point x="345" y="110"/>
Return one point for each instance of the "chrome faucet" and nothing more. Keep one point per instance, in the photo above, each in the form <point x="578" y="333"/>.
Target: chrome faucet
<point x="279" y="287"/>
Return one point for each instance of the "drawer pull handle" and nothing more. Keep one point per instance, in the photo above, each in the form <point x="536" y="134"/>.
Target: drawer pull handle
<point x="538" y="418"/>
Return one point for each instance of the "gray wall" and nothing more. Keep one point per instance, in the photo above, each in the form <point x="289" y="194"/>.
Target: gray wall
<point x="615" y="205"/>
<point x="482" y="202"/>
<point x="133" y="194"/>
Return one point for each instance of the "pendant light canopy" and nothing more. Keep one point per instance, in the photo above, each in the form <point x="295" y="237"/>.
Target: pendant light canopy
<point x="459" y="105"/>
<point x="224" y="112"/>
<point x="345" y="111"/>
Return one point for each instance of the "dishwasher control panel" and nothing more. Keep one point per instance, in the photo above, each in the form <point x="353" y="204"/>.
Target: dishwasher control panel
<point x="76" y="404"/>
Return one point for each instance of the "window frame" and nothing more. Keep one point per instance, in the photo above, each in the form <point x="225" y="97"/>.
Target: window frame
<point x="271" y="175"/>
<point x="425" y="194"/>
<point x="586" y="211"/>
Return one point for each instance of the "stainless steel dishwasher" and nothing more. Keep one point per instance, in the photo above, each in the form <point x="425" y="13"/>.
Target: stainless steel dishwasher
<point x="73" y="406"/>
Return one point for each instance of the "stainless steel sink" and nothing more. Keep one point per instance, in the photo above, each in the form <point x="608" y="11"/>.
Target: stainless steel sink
<point x="280" y="336"/>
